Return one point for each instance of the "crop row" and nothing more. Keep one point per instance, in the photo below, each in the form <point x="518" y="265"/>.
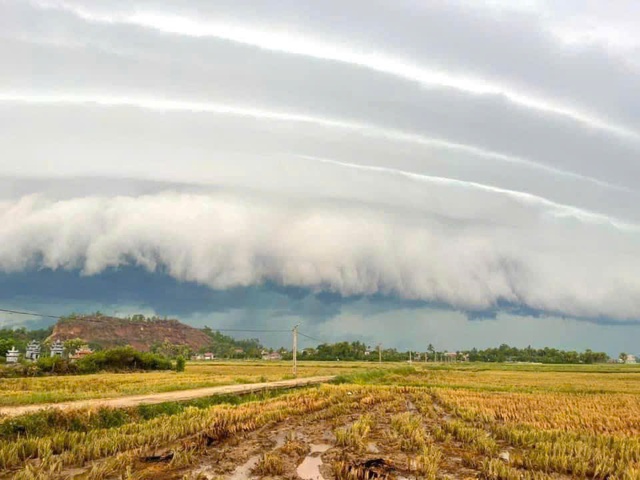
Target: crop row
<point x="593" y="413"/>
<point x="552" y="433"/>
<point x="66" y="449"/>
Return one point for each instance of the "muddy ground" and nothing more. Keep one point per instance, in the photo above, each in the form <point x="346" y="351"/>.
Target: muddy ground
<point x="306" y="448"/>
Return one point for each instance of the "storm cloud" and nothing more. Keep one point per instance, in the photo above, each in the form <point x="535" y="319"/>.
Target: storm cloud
<point x="462" y="154"/>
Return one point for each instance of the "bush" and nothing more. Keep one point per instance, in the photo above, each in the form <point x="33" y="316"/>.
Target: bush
<point x="122" y="359"/>
<point x="180" y="362"/>
<point x="56" y="365"/>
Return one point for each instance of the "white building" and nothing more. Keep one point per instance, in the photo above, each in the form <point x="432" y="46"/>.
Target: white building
<point x="57" y="348"/>
<point x="271" y="356"/>
<point x="630" y="359"/>
<point x="13" y="355"/>
<point x="33" y="351"/>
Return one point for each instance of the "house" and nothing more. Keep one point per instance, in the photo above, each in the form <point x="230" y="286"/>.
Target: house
<point x="271" y="356"/>
<point x="81" y="353"/>
<point x="630" y="359"/>
<point x="450" y="356"/>
<point x="57" y="348"/>
<point x="208" y="356"/>
<point x="13" y="355"/>
<point x="197" y="357"/>
<point x="33" y="351"/>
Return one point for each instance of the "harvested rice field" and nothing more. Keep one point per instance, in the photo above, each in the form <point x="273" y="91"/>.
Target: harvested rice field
<point x="54" y="389"/>
<point x="396" y="423"/>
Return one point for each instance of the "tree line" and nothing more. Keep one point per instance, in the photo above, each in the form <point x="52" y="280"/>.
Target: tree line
<point x="358" y="351"/>
<point x="225" y="346"/>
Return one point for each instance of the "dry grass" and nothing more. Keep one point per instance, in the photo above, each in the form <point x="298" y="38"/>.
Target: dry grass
<point x="23" y="391"/>
<point x="269" y="465"/>
<point x="549" y="430"/>
<point x="604" y="379"/>
<point x="595" y="413"/>
<point x="355" y="436"/>
<point x="592" y="435"/>
<point x="427" y="464"/>
<point x="112" y="450"/>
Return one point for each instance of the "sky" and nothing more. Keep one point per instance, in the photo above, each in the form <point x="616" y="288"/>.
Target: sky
<point x="462" y="173"/>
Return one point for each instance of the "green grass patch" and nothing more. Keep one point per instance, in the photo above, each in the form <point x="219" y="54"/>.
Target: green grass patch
<point x="376" y="376"/>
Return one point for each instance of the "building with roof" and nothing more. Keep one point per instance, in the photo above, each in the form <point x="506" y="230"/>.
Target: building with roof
<point x="57" y="348"/>
<point x="81" y="353"/>
<point x="13" y="355"/>
<point x="33" y="351"/>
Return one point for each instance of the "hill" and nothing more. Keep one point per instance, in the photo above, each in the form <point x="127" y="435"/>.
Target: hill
<point x="139" y="332"/>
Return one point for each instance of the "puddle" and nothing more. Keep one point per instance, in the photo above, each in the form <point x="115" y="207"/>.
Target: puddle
<point x="243" y="472"/>
<point x="204" y="471"/>
<point x="309" y="469"/>
<point x="280" y="439"/>
<point x="319" y="448"/>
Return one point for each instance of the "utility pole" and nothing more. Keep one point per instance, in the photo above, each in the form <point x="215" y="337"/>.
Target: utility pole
<point x="410" y="361"/>
<point x="379" y="353"/>
<point x="295" y="350"/>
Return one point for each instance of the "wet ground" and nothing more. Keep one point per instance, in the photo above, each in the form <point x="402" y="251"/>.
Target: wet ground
<point x="307" y="449"/>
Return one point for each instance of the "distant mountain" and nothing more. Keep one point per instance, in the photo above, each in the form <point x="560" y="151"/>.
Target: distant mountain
<point x="139" y="332"/>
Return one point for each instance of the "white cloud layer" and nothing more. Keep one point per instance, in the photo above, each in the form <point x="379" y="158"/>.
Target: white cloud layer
<point x="472" y="154"/>
<point x="545" y="263"/>
<point x="305" y="45"/>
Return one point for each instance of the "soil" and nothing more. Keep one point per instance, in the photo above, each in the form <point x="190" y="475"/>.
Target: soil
<point x="309" y="451"/>
<point x="111" y="332"/>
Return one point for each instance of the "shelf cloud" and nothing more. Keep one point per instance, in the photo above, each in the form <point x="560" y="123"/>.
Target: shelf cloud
<point x="474" y="158"/>
<point x="226" y="241"/>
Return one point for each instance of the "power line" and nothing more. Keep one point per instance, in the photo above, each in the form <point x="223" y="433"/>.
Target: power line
<point x="18" y="312"/>
<point x="254" y="330"/>
<point x="246" y="330"/>
<point x="249" y="330"/>
<point x="312" y="338"/>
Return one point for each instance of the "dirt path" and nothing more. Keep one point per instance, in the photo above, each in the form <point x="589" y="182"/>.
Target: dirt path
<point x="151" y="398"/>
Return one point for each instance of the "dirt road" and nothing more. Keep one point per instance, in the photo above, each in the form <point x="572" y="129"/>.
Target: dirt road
<point x="180" y="395"/>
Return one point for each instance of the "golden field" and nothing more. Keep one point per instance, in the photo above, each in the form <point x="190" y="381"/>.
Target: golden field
<point x="23" y="391"/>
<point x="431" y="422"/>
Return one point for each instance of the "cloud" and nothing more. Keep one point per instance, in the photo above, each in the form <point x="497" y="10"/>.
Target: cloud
<point x="450" y="330"/>
<point x="306" y="45"/>
<point x="353" y="161"/>
<point x="225" y="241"/>
<point x="393" y="135"/>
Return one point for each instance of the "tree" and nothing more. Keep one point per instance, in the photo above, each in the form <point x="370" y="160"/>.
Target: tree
<point x="5" y="345"/>
<point x="623" y="356"/>
<point x="73" y="344"/>
<point x="171" y="350"/>
<point x="180" y="363"/>
<point x="431" y="349"/>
